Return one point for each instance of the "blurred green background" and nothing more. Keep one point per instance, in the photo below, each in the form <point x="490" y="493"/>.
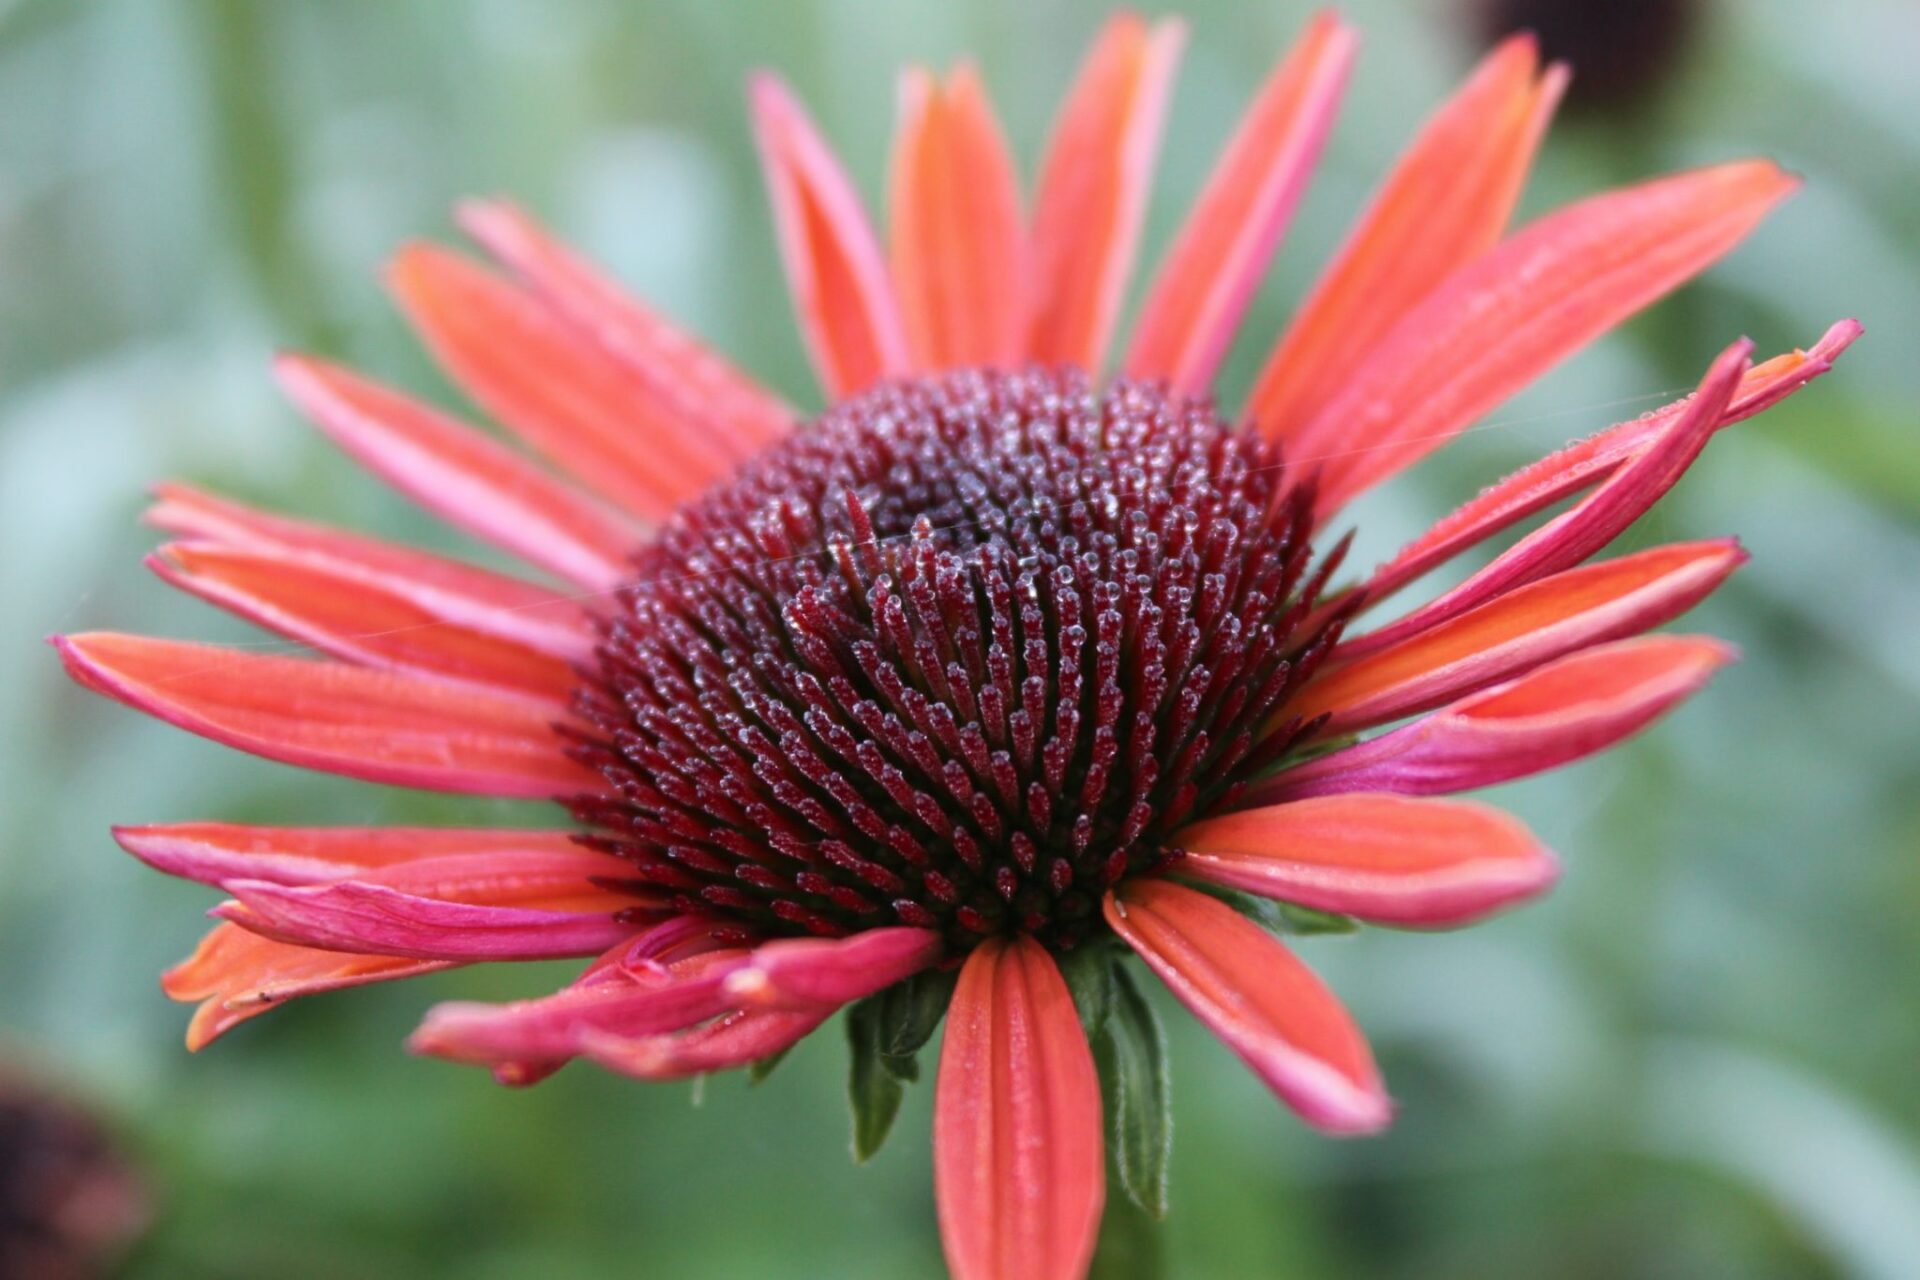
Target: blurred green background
<point x="1699" y="1058"/>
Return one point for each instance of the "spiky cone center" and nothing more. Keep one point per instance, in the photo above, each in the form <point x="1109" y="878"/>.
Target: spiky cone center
<point x="960" y="654"/>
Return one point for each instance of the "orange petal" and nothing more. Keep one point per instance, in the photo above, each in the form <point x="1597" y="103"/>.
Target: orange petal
<point x="958" y="246"/>
<point x="1515" y="633"/>
<point x="1093" y="190"/>
<point x="678" y="368"/>
<point x="1252" y="993"/>
<point x="375" y="725"/>
<point x="1210" y="274"/>
<point x="1507" y="317"/>
<point x="834" y="266"/>
<point x="1445" y="203"/>
<point x="1017" y="1153"/>
<point x="211" y="852"/>
<point x="568" y="399"/>
<point x="1380" y="857"/>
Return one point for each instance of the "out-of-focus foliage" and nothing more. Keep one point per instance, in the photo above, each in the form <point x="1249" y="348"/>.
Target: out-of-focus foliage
<point x="1698" y="1058"/>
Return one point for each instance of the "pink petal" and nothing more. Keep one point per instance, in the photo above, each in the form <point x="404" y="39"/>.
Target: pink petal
<point x="1093" y="190"/>
<point x="1509" y="316"/>
<point x="1445" y="203"/>
<point x="834" y="266"/>
<point x="799" y="973"/>
<point x="1209" y="275"/>
<point x="488" y="602"/>
<point x="1018" y="1164"/>
<point x="1516" y="633"/>
<point x="1568" y="539"/>
<point x="957" y="242"/>
<point x="565" y="396"/>
<point x="1555" y="714"/>
<point x="1262" y="1002"/>
<point x="1560" y="475"/>
<point x="321" y="715"/>
<point x="1428" y="863"/>
<point x="462" y="476"/>
<point x="668" y="363"/>
<point x="343" y="615"/>
<point x="215" y="852"/>
<point x="732" y="1040"/>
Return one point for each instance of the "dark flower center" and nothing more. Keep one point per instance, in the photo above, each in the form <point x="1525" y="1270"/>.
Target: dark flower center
<point x="960" y="654"/>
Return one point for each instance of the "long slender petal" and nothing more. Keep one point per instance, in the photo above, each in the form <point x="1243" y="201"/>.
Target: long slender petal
<point x="1427" y="863"/>
<point x="732" y="1040"/>
<point x="323" y="715"/>
<point x="1445" y="203"/>
<point x="1262" y="1002"/>
<point x="215" y="852"/>
<point x="1017" y="1155"/>
<point x="671" y="364"/>
<point x="956" y="239"/>
<point x="1093" y="189"/>
<point x="1208" y="277"/>
<point x="799" y="973"/>
<point x="1516" y="633"/>
<point x="1509" y="316"/>
<point x="835" y="269"/>
<point x="1556" y="714"/>
<point x="469" y="480"/>
<point x="568" y="399"/>
<point x="343" y="615"/>
<point x="1569" y="538"/>
<point x="550" y="622"/>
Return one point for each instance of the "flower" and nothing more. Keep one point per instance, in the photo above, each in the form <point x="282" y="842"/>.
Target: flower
<point x="998" y="671"/>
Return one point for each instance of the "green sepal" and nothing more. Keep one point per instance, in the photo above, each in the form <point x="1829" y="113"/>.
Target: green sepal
<point x="1131" y="1054"/>
<point x="1088" y="970"/>
<point x="760" y="1068"/>
<point x="874" y="1090"/>
<point x="1305" y="921"/>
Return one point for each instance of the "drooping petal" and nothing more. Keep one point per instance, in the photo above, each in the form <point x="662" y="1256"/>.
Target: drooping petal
<point x="568" y="399"/>
<point x="732" y="1040"/>
<point x="1094" y="184"/>
<point x="1445" y="203"/>
<point x="347" y="617"/>
<point x="958" y="246"/>
<point x="1262" y="1002"/>
<point x="1510" y="315"/>
<point x="374" y="725"/>
<point x="1558" y="713"/>
<point x="215" y="852"/>
<point x="1569" y="538"/>
<point x="1208" y="277"/>
<point x="469" y="480"/>
<point x="1017" y="1152"/>
<point x="799" y="973"/>
<point x="835" y="269"/>
<point x="1427" y="863"/>
<point x="1565" y="473"/>
<point x="1516" y="633"/>
<point x="234" y="975"/>
<point x="669" y="363"/>
<point x="544" y="620"/>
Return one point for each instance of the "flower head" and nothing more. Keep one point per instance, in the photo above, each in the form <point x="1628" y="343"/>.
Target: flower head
<point x="999" y="671"/>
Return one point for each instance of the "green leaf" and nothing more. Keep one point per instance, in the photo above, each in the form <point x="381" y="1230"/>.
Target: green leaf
<point x="1131" y="1052"/>
<point x="1088" y="969"/>
<point x="873" y="1089"/>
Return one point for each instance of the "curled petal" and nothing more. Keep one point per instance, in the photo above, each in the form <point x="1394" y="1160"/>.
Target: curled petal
<point x="834" y="266"/>
<point x="215" y="852"/>
<point x="1209" y="275"/>
<point x="374" y="725"/>
<point x="800" y="973"/>
<point x="732" y="1040"/>
<point x="471" y="481"/>
<point x="1262" y="1002"/>
<point x="1426" y="863"/>
<point x="1445" y="203"/>
<point x="1017" y="1154"/>
<point x="1093" y="189"/>
<point x="1516" y="633"/>
<point x="1558" y="713"/>
<point x="683" y="374"/>
<point x="1507" y="317"/>
<point x="958" y="245"/>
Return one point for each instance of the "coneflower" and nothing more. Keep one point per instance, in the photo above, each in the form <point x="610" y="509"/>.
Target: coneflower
<point x="1000" y="671"/>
